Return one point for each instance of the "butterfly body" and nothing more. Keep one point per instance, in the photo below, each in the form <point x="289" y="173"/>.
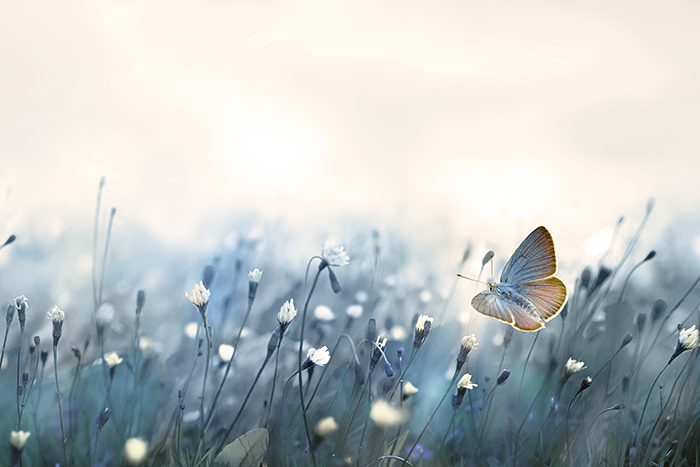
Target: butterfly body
<point x="529" y="294"/>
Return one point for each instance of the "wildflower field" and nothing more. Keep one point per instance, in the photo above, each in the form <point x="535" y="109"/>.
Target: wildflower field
<point x="345" y="361"/>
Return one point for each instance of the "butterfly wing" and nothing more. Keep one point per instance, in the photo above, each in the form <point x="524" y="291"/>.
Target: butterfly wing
<point x="525" y="318"/>
<point x="489" y="304"/>
<point x="533" y="260"/>
<point x="548" y="295"/>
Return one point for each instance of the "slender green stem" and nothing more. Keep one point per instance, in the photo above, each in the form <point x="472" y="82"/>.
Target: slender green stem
<point x="245" y="401"/>
<point x="646" y="402"/>
<point x="447" y="392"/>
<point x="206" y="373"/>
<point x="19" y="360"/>
<point x="104" y="258"/>
<point x="364" y="427"/>
<point x="230" y="362"/>
<point x="301" y="344"/>
<point x="60" y="411"/>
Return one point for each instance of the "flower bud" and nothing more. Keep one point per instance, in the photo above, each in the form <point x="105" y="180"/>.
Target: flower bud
<point x="503" y="377"/>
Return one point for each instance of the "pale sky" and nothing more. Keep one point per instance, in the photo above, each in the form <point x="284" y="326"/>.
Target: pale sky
<point x="448" y="120"/>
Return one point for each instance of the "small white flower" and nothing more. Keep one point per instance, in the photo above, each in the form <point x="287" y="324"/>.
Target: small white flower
<point x="135" y="451"/>
<point x="199" y="296"/>
<point x="225" y="352"/>
<point x="287" y="312"/>
<point x="381" y="344"/>
<point x="323" y="313"/>
<point x="385" y="415"/>
<point x="105" y="315"/>
<point x="354" y="311"/>
<point x="335" y="254"/>
<point x="319" y="357"/>
<point x="409" y="389"/>
<point x="420" y="324"/>
<point x="689" y="339"/>
<point x="112" y="359"/>
<point x="56" y="315"/>
<point x="466" y="382"/>
<point x="326" y="427"/>
<point x="572" y="367"/>
<point x="18" y="438"/>
<point x="255" y="275"/>
<point x="469" y="342"/>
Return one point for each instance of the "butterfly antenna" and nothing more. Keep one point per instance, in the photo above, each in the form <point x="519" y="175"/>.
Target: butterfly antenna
<point x="474" y="280"/>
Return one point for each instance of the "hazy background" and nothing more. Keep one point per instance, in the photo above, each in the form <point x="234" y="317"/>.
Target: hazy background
<point x="439" y="122"/>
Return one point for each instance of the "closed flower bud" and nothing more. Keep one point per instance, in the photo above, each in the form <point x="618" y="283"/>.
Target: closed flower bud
<point x="503" y="377"/>
<point x="388" y="370"/>
<point x="658" y="310"/>
<point x="10" y="315"/>
<point x="508" y="337"/>
<point x="466" y="346"/>
<point x="421" y="330"/>
<point x="140" y="301"/>
<point x="641" y="321"/>
<point x="626" y="340"/>
<point x="102" y="418"/>
<point x="585" y="384"/>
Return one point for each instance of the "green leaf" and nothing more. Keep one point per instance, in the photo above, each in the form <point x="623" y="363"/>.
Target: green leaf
<point x="394" y="448"/>
<point x="246" y="451"/>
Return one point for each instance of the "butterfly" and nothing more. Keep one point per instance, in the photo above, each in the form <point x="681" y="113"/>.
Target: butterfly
<point x="529" y="294"/>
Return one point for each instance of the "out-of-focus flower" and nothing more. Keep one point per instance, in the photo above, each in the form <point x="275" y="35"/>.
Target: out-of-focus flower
<point x="323" y="313"/>
<point x="326" y="427"/>
<point x="361" y="296"/>
<point x="425" y="296"/>
<point x="112" y="359"/>
<point x="385" y="415"/>
<point x="18" y="438"/>
<point x="199" y="296"/>
<point x="335" y="254"/>
<point x="255" y="275"/>
<point x="354" y="311"/>
<point x="191" y="329"/>
<point x="225" y="352"/>
<point x="105" y="315"/>
<point x="287" y="313"/>
<point x="135" y="451"/>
